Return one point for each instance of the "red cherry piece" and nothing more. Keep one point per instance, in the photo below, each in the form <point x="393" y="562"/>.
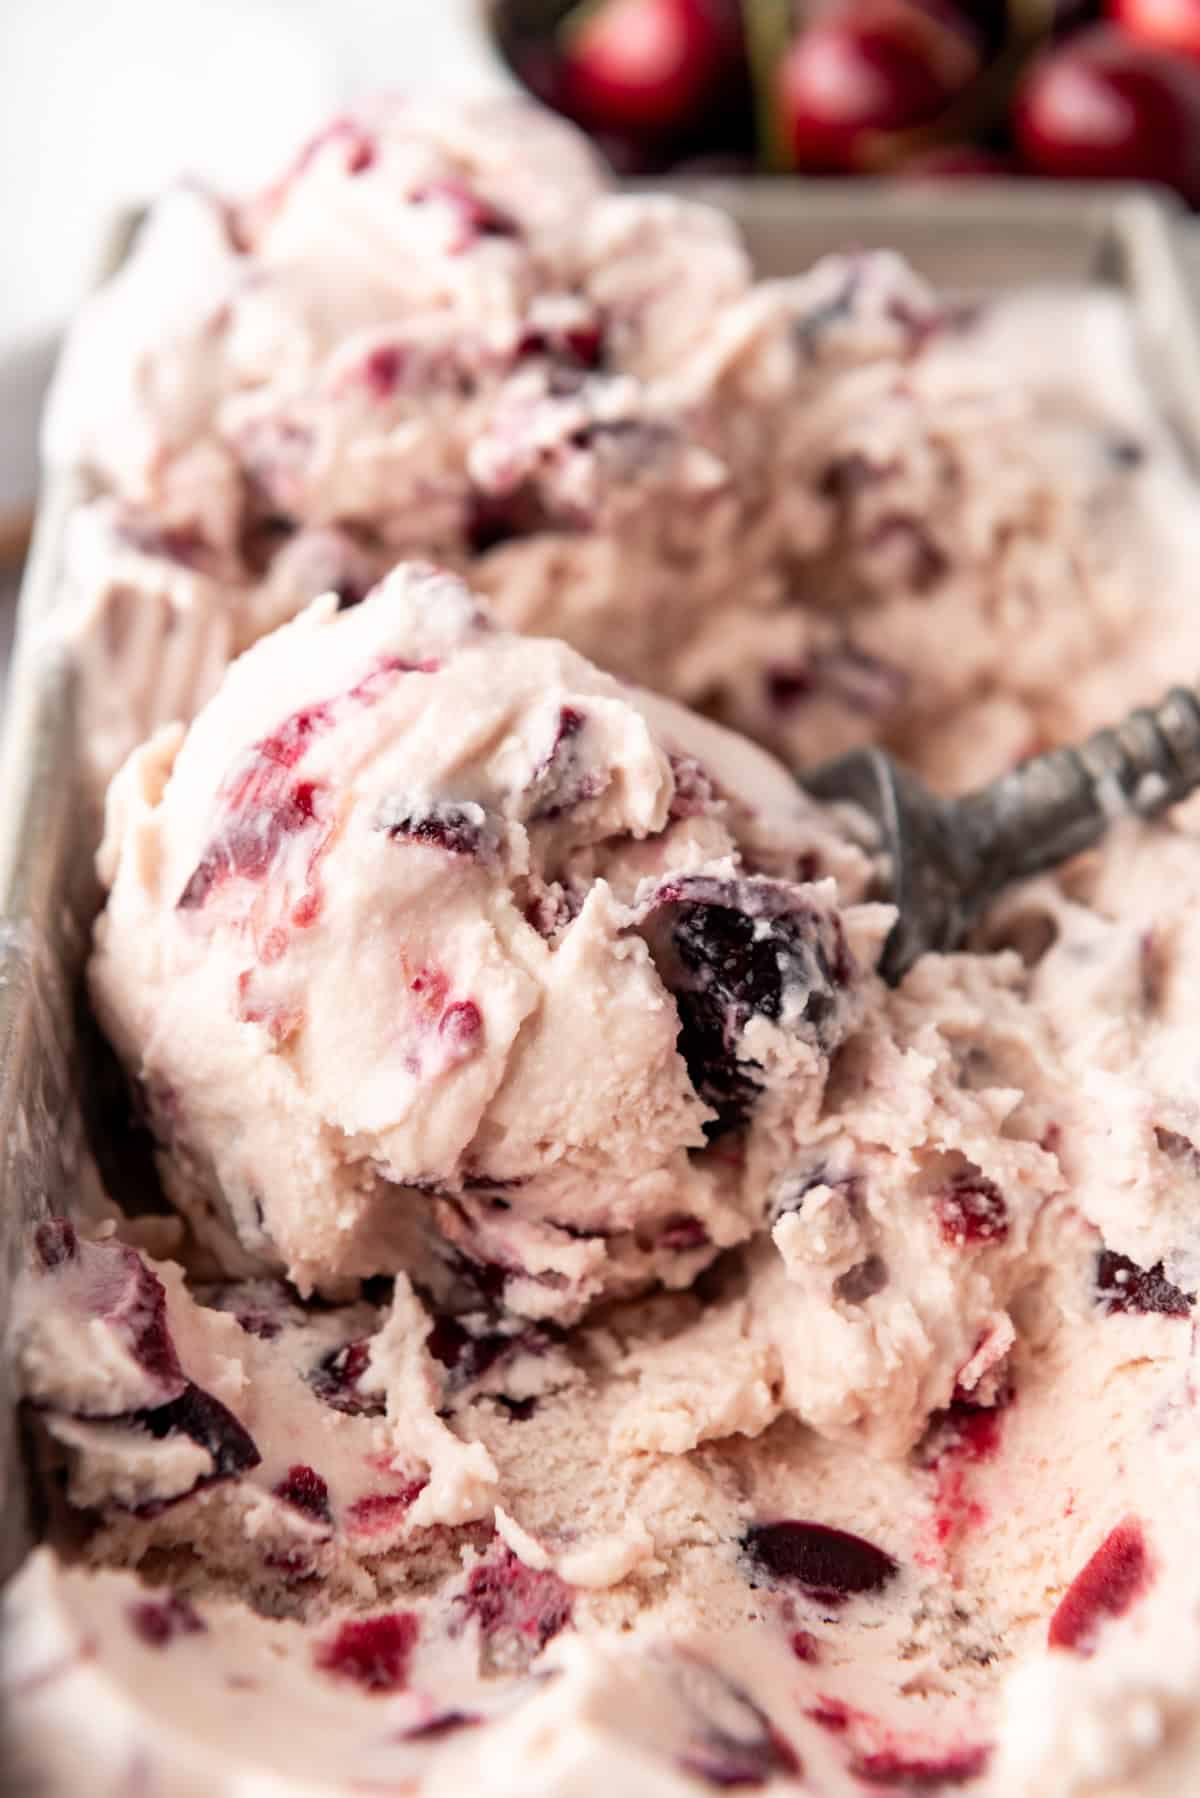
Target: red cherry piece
<point x="510" y="1599"/>
<point x="645" y="65"/>
<point x="920" y="1774"/>
<point x="380" y="1511"/>
<point x="874" y="66"/>
<point x="158" y="1622"/>
<point x="1117" y="1574"/>
<point x="1173" y="23"/>
<point x="305" y="1491"/>
<point x="1108" y="107"/>
<point x="971" y="1208"/>
<point x="374" y="1653"/>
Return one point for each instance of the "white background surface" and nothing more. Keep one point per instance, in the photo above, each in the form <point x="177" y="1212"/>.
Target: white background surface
<point x="102" y="101"/>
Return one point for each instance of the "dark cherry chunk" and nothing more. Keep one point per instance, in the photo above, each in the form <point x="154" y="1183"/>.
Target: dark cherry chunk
<point x="728" y="1763"/>
<point x="497" y="518"/>
<point x="146" y="1315"/>
<point x="862" y="1282"/>
<point x="159" y="1621"/>
<point x="744" y="1749"/>
<point x="457" y="829"/>
<point x="924" y="1774"/>
<point x="335" y="1379"/>
<point x="562" y="778"/>
<point x="830" y="1564"/>
<point x="848" y="677"/>
<point x="56" y="1242"/>
<point x="1178" y="1148"/>
<point x="305" y="1490"/>
<point x="109" y="1284"/>
<point x="209" y="1423"/>
<point x="581" y="344"/>
<point x="509" y="1599"/>
<point x="1115" y="1577"/>
<point x="445" y="1723"/>
<point x="374" y="1652"/>
<point x="733" y="950"/>
<point x="1121" y="1285"/>
<point x="466" y="1355"/>
<point x="971" y="1208"/>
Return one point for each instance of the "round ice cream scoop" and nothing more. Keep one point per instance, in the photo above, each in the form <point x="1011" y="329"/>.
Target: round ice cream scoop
<point x="949" y="857"/>
<point x="430" y="945"/>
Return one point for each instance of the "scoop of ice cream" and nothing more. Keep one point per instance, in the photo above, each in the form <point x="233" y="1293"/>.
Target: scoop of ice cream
<point x="762" y="500"/>
<point x="427" y="934"/>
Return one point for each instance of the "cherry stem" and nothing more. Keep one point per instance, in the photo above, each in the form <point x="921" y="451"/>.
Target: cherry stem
<point x="575" y="17"/>
<point x="767" y="27"/>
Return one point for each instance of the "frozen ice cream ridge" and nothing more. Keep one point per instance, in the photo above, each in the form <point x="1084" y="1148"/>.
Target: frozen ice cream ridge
<point x="431" y="939"/>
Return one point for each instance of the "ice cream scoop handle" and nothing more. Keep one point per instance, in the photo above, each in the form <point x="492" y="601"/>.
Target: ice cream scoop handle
<point x="1057" y="804"/>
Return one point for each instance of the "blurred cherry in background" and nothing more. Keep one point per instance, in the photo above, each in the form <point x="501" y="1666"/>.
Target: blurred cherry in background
<point x="925" y="89"/>
<point x="1107" y="106"/>
<point x="865" y="67"/>
<point x="1175" y="24"/>
<point x="648" y="66"/>
<point x="654" y="81"/>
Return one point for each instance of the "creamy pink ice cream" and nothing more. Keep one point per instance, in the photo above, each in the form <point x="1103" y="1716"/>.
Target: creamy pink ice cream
<point x="839" y="1512"/>
<point x="765" y="499"/>
<point x="610" y="1340"/>
<point x="480" y="1552"/>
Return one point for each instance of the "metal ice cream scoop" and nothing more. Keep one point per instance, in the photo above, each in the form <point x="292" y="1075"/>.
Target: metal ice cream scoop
<point x="949" y="857"/>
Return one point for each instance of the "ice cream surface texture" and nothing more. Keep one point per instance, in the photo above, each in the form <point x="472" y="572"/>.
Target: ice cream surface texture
<point x="756" y="1376"/>
<point x="601" y="1337"/>
<point x="763" y="498"/>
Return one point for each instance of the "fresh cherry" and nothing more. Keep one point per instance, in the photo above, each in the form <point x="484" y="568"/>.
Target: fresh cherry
<point x="1107" y="106"/>
<point x="648" y="67"/>
<point x="1173" y="23"/>
<point x="865" y="67"/>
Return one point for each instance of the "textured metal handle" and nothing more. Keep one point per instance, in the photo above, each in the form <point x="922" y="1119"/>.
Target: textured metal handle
<point x="1060" y="803"/>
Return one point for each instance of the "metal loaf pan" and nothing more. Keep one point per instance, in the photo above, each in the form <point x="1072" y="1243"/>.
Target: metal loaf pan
<point x="977" y="239"/>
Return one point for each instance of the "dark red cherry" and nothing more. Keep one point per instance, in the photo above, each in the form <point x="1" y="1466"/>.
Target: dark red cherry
<point x="1107" y="106"/>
